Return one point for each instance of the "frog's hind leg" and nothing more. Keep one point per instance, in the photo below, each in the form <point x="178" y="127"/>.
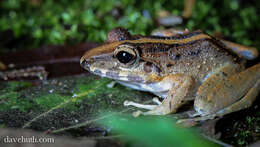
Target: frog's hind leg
<point x="243" y="103"/>
<point x="246" y="52"/>
<point x="232" y="94"/>
<point x="213" y="78"/>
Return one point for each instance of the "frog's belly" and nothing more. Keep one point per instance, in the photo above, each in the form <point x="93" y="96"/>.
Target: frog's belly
<point x="159" y="89"/>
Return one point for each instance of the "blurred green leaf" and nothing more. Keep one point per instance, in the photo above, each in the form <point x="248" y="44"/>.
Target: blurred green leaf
<point x="155" y="131"/>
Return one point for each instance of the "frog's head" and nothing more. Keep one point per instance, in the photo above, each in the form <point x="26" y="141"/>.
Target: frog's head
<point x="119" y="59"/>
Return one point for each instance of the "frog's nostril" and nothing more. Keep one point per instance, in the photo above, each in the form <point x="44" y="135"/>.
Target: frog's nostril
<point x="84" y="63"/>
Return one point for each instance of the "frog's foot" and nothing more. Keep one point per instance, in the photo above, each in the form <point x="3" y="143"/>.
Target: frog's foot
<point x="157" y="101"/>
<point x="148" y="107"/>
<point x="152" y="108"/>
<point x="131" y="103"/>
<point x="192" y="114"/>
<point x="157" y="110"/>
<point x="111" y="84"/>
<point x="194" y="121"/>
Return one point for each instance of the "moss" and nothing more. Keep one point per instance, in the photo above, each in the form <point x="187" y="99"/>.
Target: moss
<point x="10" y="96"/>
<point x="247" y="131"/>
<point x="14" y="86"/>
<point x="242" y="129"/>
<point x="46" y="102"/>
<point x="56" y="102"/>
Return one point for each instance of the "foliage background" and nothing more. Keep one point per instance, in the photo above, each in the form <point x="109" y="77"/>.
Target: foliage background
<point x="26" y="24"/>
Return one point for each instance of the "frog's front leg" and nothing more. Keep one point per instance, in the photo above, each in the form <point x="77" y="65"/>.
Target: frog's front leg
<point x="180" y="87"/>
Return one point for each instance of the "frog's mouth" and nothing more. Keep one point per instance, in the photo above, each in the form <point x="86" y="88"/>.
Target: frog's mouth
<point x="112" y="74"/>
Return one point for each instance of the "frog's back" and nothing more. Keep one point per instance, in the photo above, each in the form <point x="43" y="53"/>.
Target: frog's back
<point x="196" y="54"/>
<point x="201" y="58"/>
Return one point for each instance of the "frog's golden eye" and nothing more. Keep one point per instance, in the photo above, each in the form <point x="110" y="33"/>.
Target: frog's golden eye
<point x="125" y="54"/>
<point x="124" y="57"/>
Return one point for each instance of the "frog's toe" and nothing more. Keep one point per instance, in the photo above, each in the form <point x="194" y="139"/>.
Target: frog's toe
<point x="127" y="103"/>
<point x="111" y="84"/>
<point x="157" y="101"/>
<point x="193" y="114"/>
<point x="137" y="113"/>
<point x="148" y="107"/>
<point x="194" y="121"/>
<point x="187" y="122"/>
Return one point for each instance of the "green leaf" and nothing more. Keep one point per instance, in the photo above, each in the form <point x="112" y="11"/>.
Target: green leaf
<point x="155" y="131"/>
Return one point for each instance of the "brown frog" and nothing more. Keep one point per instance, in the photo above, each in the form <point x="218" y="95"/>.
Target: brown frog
<point x="185" y="66"/>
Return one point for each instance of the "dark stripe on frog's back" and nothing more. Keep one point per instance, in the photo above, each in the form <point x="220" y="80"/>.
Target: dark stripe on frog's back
<point x="152" y="47"/>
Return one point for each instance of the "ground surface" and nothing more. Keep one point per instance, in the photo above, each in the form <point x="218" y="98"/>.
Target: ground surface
<point x="72" y="105"/>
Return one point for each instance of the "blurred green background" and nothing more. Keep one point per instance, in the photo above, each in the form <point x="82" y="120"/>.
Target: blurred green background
<point x="26" y="24"/>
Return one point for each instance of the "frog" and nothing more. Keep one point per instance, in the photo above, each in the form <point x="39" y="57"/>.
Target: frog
<point x="181" y="67"/>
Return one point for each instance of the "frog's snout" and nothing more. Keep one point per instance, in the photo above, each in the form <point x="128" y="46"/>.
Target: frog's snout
<point x="84" y="63"/>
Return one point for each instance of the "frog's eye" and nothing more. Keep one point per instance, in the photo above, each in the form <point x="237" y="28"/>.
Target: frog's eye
<point x="126" y="54"/>
<point x="124" y="57"/>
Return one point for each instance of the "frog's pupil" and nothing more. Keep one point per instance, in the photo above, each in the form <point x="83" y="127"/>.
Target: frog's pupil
<point x="124" y="57"/>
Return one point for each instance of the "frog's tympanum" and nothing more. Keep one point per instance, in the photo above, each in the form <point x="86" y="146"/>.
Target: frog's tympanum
<point x="185" y="66"/>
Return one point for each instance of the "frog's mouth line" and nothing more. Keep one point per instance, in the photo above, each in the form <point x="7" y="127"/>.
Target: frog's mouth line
<point x="117" y="75"/>
<point x="110" y="74"/>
